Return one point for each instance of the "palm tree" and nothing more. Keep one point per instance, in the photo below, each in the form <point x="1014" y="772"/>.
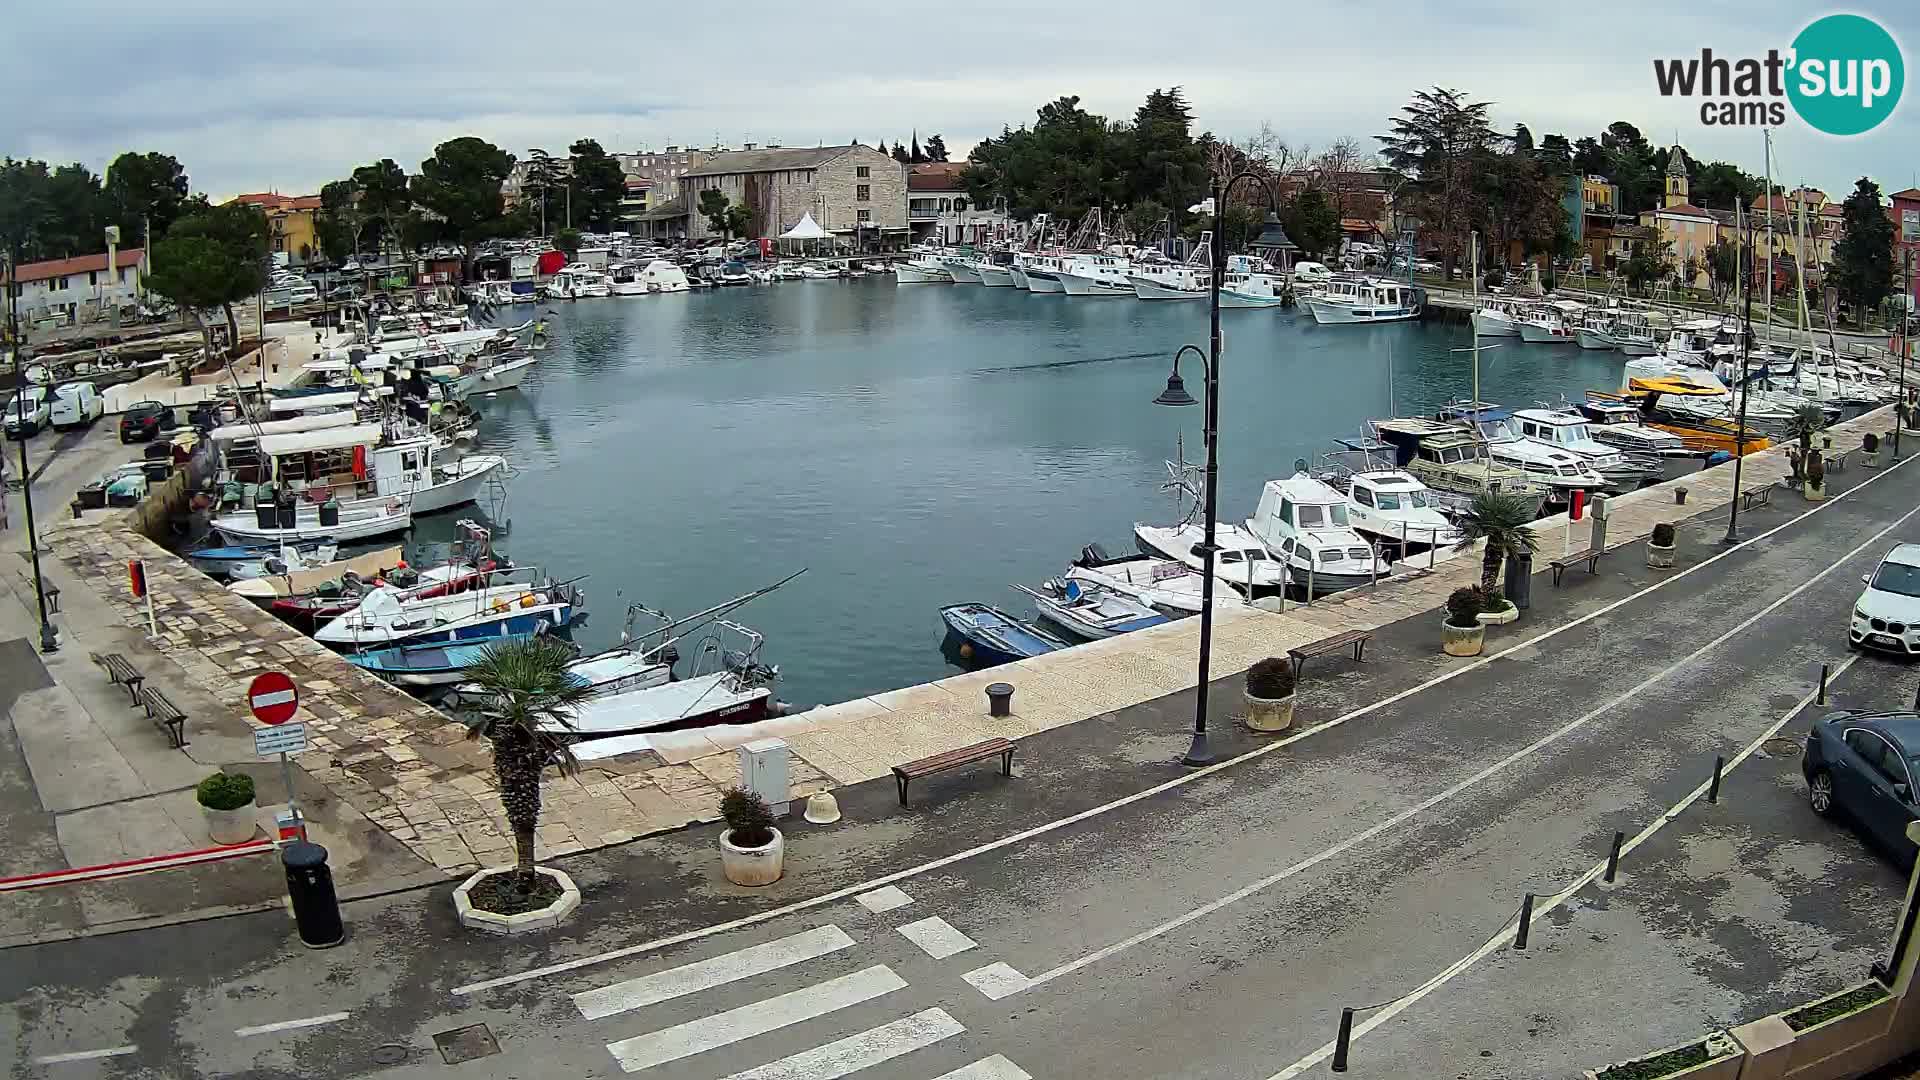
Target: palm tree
<point x="526" y="687"/>
<point x="1806" y="422"/>
<point x="1501" y="520"/>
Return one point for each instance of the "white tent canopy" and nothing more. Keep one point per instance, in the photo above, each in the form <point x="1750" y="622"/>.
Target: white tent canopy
<point x="807" y="229"/>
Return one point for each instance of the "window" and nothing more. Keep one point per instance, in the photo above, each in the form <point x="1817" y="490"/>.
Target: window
<point x="1365" y="498"/>
<point x="866" y="215"/>
<point x="862" y="171"/>
<point x="1286" y="510"/>
<point x="863" y="193"/>
<point x="1311" y="517"/>
<point x="409" y="461"/>
<point x="1898" y="578"/>
<point x="1878" y="754"/>
<point x="93" y="278"/>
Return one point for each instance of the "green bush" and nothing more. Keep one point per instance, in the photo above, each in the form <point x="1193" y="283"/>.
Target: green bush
<point x="748" y="817"/>
<point x="225" y="791"/>
<point x="1271" y="678"/>
<point x="1870" y="443"/>
<point x="1663" y="535"/>
<point x="1465" y="603"/>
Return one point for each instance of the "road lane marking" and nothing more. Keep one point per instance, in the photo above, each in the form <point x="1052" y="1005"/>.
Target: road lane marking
<point x="1490" y="771"/>
<point x="937" y="937"/>
<point x="290" y="1025"/>
<point x="997" y="980"/>
<point x="757" y="1018"/>
<point x="1541" y="909"/>
<point x="85" y="1055"/>
<point x="884" y="899"/>
<point x="988" y="1068"/>
<point x="709" y="973"/>
<point x="855" y="1052"/>
<point x="1187" y="777"/>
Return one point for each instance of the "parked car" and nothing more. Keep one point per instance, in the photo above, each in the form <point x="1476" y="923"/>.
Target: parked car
<point x="145" y="420"/>
<point x="1887" y="614"/>
<point x="1862" y="765"/>
<point x="29" y="411"/>
<point x="76" y="404"/>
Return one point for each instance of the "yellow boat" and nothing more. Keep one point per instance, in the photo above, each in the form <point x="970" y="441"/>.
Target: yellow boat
<point x="1703" y="435"/>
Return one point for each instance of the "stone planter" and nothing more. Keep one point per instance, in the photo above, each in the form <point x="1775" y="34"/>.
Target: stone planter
<point x="1462" y="640"/>
<point x="1269" y="714"/>
<point x="1505" y="615"/>
<point x="1870" y="461"/>
<point x="1838" y="1034"/>
<point x="526" y="921"/>
<point x="1659" y="558"/>
<point x="753" y="866"/>
<point x="1724" y="1064"/>
<point x="1811" y="493"/>
<point x="234" y="826"/>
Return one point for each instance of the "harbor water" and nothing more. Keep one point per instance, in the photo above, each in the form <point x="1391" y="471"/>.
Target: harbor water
<point x="916" y="446"/>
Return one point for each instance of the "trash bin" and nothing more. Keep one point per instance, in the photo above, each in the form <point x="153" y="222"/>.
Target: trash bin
<point x="330" y="513"/>
<point x="1519" y="584"/>
<point x="310" y="888"/>
<point x="266" y="516"/>
<point x="289" y="515"/>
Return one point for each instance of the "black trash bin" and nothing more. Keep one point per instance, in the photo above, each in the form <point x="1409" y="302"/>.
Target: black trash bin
<point x="1519" y="583"/>
<point x="266" y="516"/>
<point x="289" y="515"/>
<point x="310" y="887"/>
<point x="330" y="513"/>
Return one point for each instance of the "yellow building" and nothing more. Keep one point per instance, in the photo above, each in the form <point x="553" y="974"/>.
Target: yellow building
<point x="290" y="228"/>
<point x="1687" y="228"/>
<point x="1806" y="212"/>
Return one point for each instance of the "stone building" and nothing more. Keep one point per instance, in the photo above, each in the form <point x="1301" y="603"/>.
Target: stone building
<point x="855" y="192"/>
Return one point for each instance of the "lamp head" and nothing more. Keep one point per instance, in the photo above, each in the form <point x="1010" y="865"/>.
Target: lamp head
<point x="1175" y="393"/>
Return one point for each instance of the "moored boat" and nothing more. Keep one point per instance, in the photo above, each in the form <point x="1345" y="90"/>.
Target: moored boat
<point x="1090" y="611"/>
<point x="987" y="635"/>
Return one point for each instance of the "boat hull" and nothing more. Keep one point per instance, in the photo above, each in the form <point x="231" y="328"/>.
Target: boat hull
<point x="1328" y="313"/>
<point x="996" y="277"/>
<point x="391" y="516"/>
<point x="1019" y="276"/>
<point x="1490" y="324"/>
<point x="1148" y="289"/>
<point x="907" y="274"/>
<point x="1081" y="285"/>
<point x="991" y="636"/>
<point x="1535" y="334"/>
<point x="1593" y="339"/>
<point x="520" y="621"/>
<point x="470" y="475"/>
<point x="1042" y="281"/>
<point x="962" y="274"/>
<point x="1230" y="298"/>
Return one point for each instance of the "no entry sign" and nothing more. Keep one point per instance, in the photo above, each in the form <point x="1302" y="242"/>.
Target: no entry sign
<point x="273" y="698"/>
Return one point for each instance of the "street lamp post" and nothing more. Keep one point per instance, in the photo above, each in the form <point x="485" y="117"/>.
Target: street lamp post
<point x="1740" y="426"/>
<point x="49" y="640"/>
<point x="1198" y="752"/>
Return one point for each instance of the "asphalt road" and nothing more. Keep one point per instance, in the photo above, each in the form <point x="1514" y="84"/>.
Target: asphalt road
<point x="1214" y="929"/>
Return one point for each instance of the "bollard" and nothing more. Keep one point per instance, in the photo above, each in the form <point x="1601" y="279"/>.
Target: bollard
<point x="1713" y="790"/>
<point x="1822" y="698"/>
<point x="1679" y="496"/>
<point x="1613" y="857"/>
<point x="1526" y="922"/>
<point x="999" y="699"/>
<point x="316" y="910"/>
<point x="1340" y="1042"/>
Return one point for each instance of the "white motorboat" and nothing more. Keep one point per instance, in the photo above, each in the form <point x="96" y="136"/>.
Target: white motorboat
<point x="1563" y="473"/>
<point x="1304" y="523"/>
<point x="1163" y="584"/>
<point x="1373" y="302"/>
<point x="1041" y="271"/>
<point x="1096" y="275"/>
<point x="661" y="276"/>
<point x="1386" y="502"/>
<point x="1498" y="316"/>
<point x="388" y="615"/>
<point x="1090" y="611"/>
<point x="1166" y="282"/>
<point x="615" y="671"/>
<point x="737" y="690"/>
<point x="1617" y="424"/>
<point x="1550" y="324"/>
<point x="1240" y="561"/>
<point x="995" y="270"/>
<point x="1572" y="434"/>
<point x="923" y="270"/>
<point x="367" y="475"/>
<point x="1249" y="285"/>
<point x="1634" y="335"/>
<point x="502" y="375"/>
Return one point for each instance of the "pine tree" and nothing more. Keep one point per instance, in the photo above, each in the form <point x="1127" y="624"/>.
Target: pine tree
<point x="914" y="156"/>
<point x="1863" y="259"/>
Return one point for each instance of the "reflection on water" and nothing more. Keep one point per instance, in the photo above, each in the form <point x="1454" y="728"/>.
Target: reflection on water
<point x="914" y="446"/>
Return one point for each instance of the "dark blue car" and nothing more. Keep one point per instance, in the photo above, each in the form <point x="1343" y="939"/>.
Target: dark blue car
<point x="1863" y="765"/>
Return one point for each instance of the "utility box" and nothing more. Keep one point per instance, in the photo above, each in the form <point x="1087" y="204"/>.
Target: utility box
<point x="1599" y="540"/>
<point x="763" y="771"/>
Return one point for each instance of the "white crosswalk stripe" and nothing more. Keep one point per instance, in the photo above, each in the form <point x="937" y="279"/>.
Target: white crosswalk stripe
<point x="937" y="937"/>
<point x="855" y="1052"/>
<point x="885" y="898"/>
<point x="715" y="971"/>
<point x="990" y="1068"/>
<point x="757" y="1018"/>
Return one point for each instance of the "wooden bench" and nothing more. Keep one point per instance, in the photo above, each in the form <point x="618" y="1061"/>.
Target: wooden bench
<point x="1356" y="638"/>
<point x="167" y="715"/>
<point x="1760" y="496"/>
<point x="1590" y="557"/>
<point x="121" y="673"/>
<point x="953" y="759"/>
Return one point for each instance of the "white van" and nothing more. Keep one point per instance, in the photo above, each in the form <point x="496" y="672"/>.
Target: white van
<point x="28" y="412"/>
<point x="77" y="405"/>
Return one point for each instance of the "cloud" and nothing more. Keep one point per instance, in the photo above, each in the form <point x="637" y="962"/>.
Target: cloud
<point x="256" y="96"/>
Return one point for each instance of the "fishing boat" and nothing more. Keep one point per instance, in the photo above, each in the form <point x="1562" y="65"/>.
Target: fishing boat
<point x="1170" y="587"/>
<point x="389" y="615"/>
<point x="995" y="270"/>
<point x="1249" y="285"/>
<point x="961" y="268"/>
<point x="1372" y="302"/>
<point x="1096" y="274"/>
<point x="1090" y="611"/>
<point x="435" y="664"/>
<point x="1550" y="323"/>
<point x="1304" y="523"/>
<point x="1498" y="316"/>
<point x="987" y="635"/>
<point x="503" y="372"/>
<point x="923" y="269"/>
<point x="239" y="562"/>
<point x="1042" y="271"/>
<point x="1157" y="279"/>
<point x="1595" y="331"/>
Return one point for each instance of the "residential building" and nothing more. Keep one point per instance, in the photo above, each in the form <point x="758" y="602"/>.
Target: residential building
<point x="1598" y="196"/>
<point x="1905" y="213"/>
<point x="635" y="202"/>
<point x="1689" y="229"/>
<point x="855" y="192"/>
<point x="1806" y="224"/>
<point x="666" y="221"/>
<point x="664" y="169"/>
<point x="290" y="224"/>
<point x="78" y="289"/>
<point x="939" y="210"/>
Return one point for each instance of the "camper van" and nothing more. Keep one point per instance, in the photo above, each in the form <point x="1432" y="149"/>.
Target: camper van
<point x="76" y="405"/>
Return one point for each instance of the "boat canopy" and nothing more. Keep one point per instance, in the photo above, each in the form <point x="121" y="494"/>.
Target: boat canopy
<point x="288" y="426"/>
<point x="307" y="442"/>
<point x="299" y="403"/>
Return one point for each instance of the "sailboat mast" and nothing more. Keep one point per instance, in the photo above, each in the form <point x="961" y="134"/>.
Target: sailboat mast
<point x="1473" y="249"/>
<point x="1767" y="166"/>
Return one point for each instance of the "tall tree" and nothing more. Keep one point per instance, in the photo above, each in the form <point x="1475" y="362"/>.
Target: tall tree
<point x="1720" y="185"/>
<point x="599" y="184"/>
<point x="1522" y="141"/>
<point x="739" y="220"/>
<point x="23" y="209"/>
<point x="936" y="148"/>
<point x="544" y="174"/>
<point x="1437" y="141"/>
<point x="914" y="155"/>
<point x="1863" y="259"/>
<point x="213" y="259"/>
<point x="1344" y="172"/>
<point x="1158" y="156"/>
<point x="727" y="220"/>
<point x="460" y="185"/>
<point x="386" y="197"/>
<point x="1312" y="222"/>
<point x="337" y="225"/>
<point x="145" y="190"/>
<point x="77" y="212"/>
<point x="900" y="154"/>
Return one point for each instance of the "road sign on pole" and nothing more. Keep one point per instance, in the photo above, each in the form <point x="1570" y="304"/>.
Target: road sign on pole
<point x="283" y="739"/>
<point x="273" y="698"/>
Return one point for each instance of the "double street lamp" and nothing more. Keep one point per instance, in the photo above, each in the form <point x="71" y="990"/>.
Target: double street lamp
<point x="1198" y="752"/>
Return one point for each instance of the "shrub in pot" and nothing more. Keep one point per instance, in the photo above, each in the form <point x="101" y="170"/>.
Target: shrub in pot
<point x="1460" y="631"/>
<point x="227" y="800"/>
<point x="752" y="851"/>
<point x="1660" y="547"/>
<point x="1815" y="487"/>
<point x="1269" y="695"/>
<point x="1495" y="608"/>
<point x="1870" y="448"/>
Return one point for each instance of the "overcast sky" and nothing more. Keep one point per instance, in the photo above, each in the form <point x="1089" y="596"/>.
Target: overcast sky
<point x="288" y="96"/>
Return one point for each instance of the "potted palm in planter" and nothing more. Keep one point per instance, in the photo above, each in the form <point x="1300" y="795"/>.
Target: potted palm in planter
<point x="1660" y="547"/>
<point x="1815" y="488"/>
<point x="752" y="851"/>
<point x="1270" y="695"/>
<point x="527" y="702"/>
<point x="1503" y="521"/>
<point x="1806" y="422"/>
<point x="1460" y="631"/>
<point x="227" y="800"/>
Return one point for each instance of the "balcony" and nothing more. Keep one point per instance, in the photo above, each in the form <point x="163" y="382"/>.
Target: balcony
<point x="918" y="214"/>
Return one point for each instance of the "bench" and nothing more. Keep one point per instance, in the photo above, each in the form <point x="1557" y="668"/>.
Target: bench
<point x="953" y="759"/>
<point x="1760" y="496"/>
<point x="121" y="673"/>
<point x="1356" y="638"/>
<point x="167" y="715"/>
<point x="1590" y="557"/>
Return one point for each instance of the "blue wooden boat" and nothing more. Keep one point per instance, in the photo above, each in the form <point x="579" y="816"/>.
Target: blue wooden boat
<point x="990" y="636"/>
<point x="249" y="560"/>
<point x="438" y="664"/>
